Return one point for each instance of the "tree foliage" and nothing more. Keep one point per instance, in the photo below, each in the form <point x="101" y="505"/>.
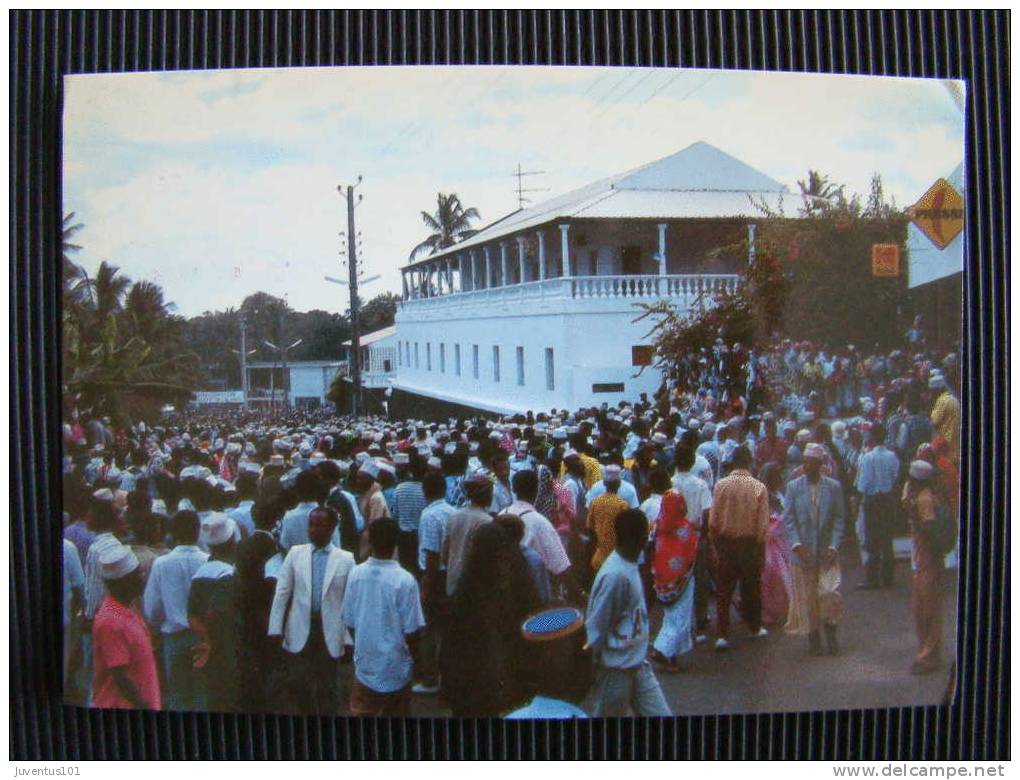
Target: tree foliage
<point x="215" y="336"/>
<point x="123" y="351"/>
<point x="811" y="279"/>
<point x="450" y="223"/>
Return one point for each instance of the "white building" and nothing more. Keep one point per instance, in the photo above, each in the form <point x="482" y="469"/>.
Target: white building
<point x="307" y="381"/>
<point x="537" y="310"/>
<point x="935" y="277"/>
<point x="378" y="357"/>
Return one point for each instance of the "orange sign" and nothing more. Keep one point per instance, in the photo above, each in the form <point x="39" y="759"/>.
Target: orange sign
<point x="885" y="260"/>
<point x="939" y="213"/>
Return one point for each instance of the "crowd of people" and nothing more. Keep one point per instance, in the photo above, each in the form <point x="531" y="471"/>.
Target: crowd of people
<point x="232" y="561"/>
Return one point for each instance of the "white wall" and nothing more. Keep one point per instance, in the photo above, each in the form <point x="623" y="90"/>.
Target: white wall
<point x="588" y="347"/>
<point x="310" y="381"/>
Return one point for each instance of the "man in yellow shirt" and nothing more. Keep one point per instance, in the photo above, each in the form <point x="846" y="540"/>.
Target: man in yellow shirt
<point x="945" y="415"/>
<point x="602" y="516"/>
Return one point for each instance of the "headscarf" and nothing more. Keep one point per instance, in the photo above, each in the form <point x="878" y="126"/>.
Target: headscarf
<point x="676" y="545"/>
<point x="545" y="499"/>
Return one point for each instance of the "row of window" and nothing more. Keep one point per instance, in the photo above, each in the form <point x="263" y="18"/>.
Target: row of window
<point x="405" y="352"/>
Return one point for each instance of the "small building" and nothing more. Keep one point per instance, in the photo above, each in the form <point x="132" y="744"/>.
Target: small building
<point x="305" y="383"/>
<point x="378" y="357"/>
<point x="537" y="310"/>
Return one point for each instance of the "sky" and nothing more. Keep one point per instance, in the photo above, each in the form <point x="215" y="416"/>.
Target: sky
<point x="218" y="184"/>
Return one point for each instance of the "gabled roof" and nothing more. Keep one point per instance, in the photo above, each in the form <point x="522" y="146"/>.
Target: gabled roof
<point x="374" y="336"/>
<point x="698" y="182"/>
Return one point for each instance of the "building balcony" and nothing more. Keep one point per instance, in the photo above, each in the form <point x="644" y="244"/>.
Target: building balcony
<point x="583" y="292"/>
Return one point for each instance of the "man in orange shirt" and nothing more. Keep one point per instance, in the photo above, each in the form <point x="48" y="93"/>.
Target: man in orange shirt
<point x="738" y="526"/>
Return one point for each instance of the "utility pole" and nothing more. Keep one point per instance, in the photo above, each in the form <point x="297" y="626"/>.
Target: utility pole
<point x="352" y="281"/>
<point x="243" y="353"/>
<point x="286" y="376"/>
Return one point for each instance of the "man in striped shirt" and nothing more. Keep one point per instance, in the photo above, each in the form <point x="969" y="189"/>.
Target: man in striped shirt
<point x="408" y="503"/>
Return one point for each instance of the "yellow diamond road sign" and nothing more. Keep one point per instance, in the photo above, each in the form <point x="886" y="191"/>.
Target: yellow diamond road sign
<point x="939" y="213"/>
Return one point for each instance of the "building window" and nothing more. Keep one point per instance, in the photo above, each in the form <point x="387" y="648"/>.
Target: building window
<point x="428" y="356"/>
<point x="456" y="359"/>
<point x="550" y="376"/>
<point x="474" y="361"/>
<point x="520" y="366"/>
<point x="442" y="358"/>
<point x="400" y="354"/>
<point x="417" y="363"/>
<point x="495" y="363"/>
<point x="387" y="365"/>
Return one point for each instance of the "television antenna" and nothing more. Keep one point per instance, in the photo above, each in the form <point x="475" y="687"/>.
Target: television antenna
<point x="520" y="190"/>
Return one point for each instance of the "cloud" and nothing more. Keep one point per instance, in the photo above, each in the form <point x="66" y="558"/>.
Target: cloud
<point x="218" y="184"/>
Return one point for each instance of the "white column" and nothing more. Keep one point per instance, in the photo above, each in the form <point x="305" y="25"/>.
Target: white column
<point x="503" y="262"/>
<point x="448" y="267"/>
<point x="488" y="267"/>
<point x="460" y="272"/>
<point x="522" y="257"/>
<point x="565" y="249"/>
<point x="541" y="254"/>
<point x="439" y="278"/>
<point x="750" y="242"/>
<point x="662" y="249"/>
<point x="474" y="270"/>
<point x="403" y="283"/>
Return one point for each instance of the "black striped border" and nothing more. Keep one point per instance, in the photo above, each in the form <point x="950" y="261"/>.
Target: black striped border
<point x="946" y="44"/>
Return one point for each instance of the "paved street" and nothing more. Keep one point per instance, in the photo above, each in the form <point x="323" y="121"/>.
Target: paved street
<point x="776" y="674"/>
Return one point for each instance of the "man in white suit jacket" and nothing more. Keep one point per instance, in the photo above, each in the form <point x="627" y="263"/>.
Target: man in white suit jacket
<point x="306" y="609"/>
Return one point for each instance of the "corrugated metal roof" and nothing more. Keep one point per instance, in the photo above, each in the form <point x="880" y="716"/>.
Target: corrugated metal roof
<point x="699" y="181"/>
<point x="677" y="204"/>
<point x="374" y="336"/>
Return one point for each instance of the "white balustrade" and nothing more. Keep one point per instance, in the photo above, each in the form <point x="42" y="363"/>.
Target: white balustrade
<point x="686" y="287"/>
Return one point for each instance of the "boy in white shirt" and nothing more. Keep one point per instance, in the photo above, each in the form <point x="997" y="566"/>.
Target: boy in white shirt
<point x="382" y="609"/>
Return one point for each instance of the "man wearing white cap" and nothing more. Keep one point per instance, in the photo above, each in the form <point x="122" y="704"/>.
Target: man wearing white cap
<point x="212" y="613"/>
<point x="125" y="666"/>
<point x="625" y="490"/>
<point x="814" y="522"/>
<point x="923" y="507"/>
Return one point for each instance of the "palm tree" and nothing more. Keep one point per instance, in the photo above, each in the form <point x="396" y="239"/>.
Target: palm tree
<point x="818" y="193"/>
<point x="74" y="279"/>
<point x="450" y="223"/>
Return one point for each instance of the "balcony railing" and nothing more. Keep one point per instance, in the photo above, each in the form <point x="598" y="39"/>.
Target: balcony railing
<point x="691" y="287"/>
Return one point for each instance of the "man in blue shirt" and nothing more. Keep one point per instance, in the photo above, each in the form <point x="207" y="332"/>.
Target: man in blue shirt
<point x="877" y="474"/>
<point x="165" y="604"/>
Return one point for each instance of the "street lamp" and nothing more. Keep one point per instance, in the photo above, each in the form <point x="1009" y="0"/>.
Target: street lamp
<point x="283" y="359"/>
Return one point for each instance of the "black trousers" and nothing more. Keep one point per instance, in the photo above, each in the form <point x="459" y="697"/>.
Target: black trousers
<point x="879" y="524"/>
<point x="407" y="550"/>
<point x="315" y="678"/>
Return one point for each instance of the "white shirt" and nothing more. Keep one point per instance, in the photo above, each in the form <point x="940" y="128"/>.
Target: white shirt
<point x="626" y="492"/>
<point x="294" y="527"/>
<point x="695" y="492"/>
<point x="165" y="602"/>
<point x="74" y="577"/>
<point x="242" y="516"/>
<point x="541" y="537"/>
<point x="382" y="606"/>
